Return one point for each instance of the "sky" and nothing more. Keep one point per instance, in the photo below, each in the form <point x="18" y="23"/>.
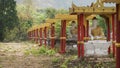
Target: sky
<point x="60" y="4"/>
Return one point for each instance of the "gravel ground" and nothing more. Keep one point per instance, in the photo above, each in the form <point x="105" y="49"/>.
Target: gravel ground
<point x="12" y="56"/>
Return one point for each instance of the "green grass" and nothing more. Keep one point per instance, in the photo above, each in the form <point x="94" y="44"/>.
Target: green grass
<point x="38" y="51"/>
<point x="1" y="66"/>
<point x="55" y="60"/>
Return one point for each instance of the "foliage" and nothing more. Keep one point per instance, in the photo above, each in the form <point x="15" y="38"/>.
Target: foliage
<point x="33" y="17"/>
<point x="58" y="29"/>
<point x="55" y="60"/>
<point x="64" y="65"/>
<point x="14" y="24"/>
<point x="1" y="66"/>
<point x="8" y="17"/>
<point x="42" y="50"/>
<point x="11" y="35"/>
<point x="51" y="12"/>
<point x="102" y="23"/>
<point x="111" y="55"/>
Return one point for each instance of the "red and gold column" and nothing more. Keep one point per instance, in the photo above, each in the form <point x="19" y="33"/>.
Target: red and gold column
<point x="30" y="34"/>
<point x="52" y="35"/>
<point x="87" y="29"/>
<point x="40" y="32"/>
<point x="113" y="34"/>
<point x="118" y="36"/>
<point x="63" y="36"/>
<point x="45" y="36"/>
<point x="108" y="30"/>
<point x="33" y="35"/>
<point x="80" y="36"/>
<point x="36" y="36"/>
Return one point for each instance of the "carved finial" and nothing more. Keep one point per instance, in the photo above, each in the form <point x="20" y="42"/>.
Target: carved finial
<point x="99" y="3"/>
<point x="73" y="5"/>
<point x="92" y="4"/>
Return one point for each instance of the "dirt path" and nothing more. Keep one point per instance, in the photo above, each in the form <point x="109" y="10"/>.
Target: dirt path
<point x="12" y="56"/>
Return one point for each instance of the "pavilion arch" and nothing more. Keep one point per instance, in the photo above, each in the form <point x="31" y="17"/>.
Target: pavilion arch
<point x="108" y="22"/>
<point x="96" y="8"/>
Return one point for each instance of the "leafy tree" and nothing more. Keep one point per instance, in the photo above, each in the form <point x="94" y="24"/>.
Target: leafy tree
<point x="102" y="23"/>
<point x="8" y="17"/>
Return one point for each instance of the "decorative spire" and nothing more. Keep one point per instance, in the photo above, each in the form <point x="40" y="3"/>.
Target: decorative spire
<point x="73" y="5"/>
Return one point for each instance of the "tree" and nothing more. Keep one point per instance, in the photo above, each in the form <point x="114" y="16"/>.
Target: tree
<point x="8" y="17"/>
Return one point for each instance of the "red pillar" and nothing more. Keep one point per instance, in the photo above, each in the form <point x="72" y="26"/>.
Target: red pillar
<point x="113" y="34"/>
<point x="80" y="35"/>
<point x="87" y="29"/>
<point x="34" y="35"/>
<point x="40" y="32"/>
<point x="45" y="36"/>
<point x="118" y="37"/>
<point x="30" y="35"/>
<point x="63" y="36"/>
<point x="37" y="36"/>
<point x="108" y="30"/>
<point x="109" y="50"/>
<point x="52" y="35"/>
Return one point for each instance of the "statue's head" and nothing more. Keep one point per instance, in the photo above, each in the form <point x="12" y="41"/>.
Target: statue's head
<point x="95" y="21"/>
<point x="73" y="23"/>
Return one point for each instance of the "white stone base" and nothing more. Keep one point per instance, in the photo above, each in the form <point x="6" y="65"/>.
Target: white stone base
<point x="97" y="48"/>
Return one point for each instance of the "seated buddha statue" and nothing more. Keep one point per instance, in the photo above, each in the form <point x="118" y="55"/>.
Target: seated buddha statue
<point x="98" y="33"/>
<point x="73" y="30"/>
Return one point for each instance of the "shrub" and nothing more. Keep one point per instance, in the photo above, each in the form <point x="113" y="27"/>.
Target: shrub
<point x="38" y="51"/>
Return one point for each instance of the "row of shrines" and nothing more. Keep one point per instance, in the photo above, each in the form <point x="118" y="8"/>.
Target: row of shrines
<point x="81" y="15"/>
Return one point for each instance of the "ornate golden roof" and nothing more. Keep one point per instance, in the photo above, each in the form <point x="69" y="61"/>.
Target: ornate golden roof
<point x="51" y="20"/>
<point x="113" y="1"/>
<point x="66" y="17"/>
<point x="96" y="8"/>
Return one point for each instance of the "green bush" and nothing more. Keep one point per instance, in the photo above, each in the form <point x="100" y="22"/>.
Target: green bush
<point x="42" y="50"/>
<point x="55" y="60"/>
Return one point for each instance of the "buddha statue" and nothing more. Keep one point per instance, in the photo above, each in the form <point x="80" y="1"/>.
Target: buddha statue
<point x="73" y="30"/>
<point x="96" y="32"/>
